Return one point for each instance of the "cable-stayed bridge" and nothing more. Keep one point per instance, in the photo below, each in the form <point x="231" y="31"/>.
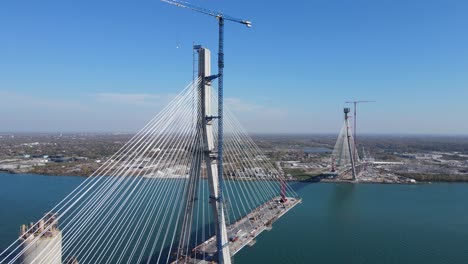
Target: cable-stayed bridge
<point x="344" y="157"/>
<point x="160" y="198"/>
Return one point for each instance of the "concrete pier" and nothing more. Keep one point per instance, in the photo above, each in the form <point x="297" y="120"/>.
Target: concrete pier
<point x="42" y="243"/>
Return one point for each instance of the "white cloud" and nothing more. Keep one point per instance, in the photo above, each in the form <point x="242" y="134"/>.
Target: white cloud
<point x="239" y="106"/>
<point x="12" y="100"/>
<point x="135" y="99"/>
<point x="92" y="112"/>
<point x="256" y="117"/>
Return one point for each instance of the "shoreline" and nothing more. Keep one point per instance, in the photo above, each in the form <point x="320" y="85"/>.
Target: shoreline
<point x="38" y="174"/>
<point x="310" y="181"/>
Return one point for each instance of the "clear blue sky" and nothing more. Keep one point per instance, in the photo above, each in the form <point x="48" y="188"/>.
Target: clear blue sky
<point x="110" y="65"/>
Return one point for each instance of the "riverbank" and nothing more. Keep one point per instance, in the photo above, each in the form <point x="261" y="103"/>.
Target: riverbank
<point x="426" y="177"/>
<point x="5" y="172"/>
<point x="404" y="179"/>
<point x="396" y="179"/>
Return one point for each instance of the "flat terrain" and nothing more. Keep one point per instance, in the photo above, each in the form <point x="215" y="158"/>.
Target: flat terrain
<point x="301" y="157"/>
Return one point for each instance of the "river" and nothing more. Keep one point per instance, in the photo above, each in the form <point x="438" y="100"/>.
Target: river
<point x="336" y="223"/>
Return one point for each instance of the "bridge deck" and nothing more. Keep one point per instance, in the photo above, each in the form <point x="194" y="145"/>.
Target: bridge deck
<point x="244" y="231"/>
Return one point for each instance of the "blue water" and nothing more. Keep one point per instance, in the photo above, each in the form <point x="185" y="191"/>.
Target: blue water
<point x="317" y="150"/>
<point x="336" y="223"/>
<point x="25" y="198"/>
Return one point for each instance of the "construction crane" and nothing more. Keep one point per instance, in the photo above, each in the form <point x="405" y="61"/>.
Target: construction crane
<point x="355" y="136"/>
<point x="205" y="11"/>
<point x="221" y="18"/>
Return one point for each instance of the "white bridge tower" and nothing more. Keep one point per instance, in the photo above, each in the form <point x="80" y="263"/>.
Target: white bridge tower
<point x="205" y="134"/>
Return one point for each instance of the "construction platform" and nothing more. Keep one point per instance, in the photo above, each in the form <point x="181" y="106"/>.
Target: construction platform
<point x="244" y="231"/>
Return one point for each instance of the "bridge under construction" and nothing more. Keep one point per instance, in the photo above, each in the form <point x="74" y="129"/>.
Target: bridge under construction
<point x="177" y="192"/>
<point x="243" y="232"/>
<point x="158" y="199"/>
<point x="347" y="166"/>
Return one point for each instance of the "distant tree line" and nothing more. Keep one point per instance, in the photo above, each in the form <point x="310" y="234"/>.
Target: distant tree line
<point x="428" y="177"/>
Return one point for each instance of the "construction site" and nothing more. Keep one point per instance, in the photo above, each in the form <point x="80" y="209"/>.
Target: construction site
<point x="347" y="166"/>
<point x="192" y="186"/>
<point x="177" y="166"/>
<point x="243" y="232"/>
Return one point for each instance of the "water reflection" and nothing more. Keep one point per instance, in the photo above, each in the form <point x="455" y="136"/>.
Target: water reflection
<point x="341" y="205"/>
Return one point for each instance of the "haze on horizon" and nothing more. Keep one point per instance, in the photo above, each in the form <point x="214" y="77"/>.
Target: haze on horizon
<point x="103" y="67"/>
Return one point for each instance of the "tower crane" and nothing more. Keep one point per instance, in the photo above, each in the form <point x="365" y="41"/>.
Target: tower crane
<point x="355" y="136"/>
<point x="221" y="18"/>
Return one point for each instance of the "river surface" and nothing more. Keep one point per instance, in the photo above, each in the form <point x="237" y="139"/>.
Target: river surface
<point x="336" y="223"/>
